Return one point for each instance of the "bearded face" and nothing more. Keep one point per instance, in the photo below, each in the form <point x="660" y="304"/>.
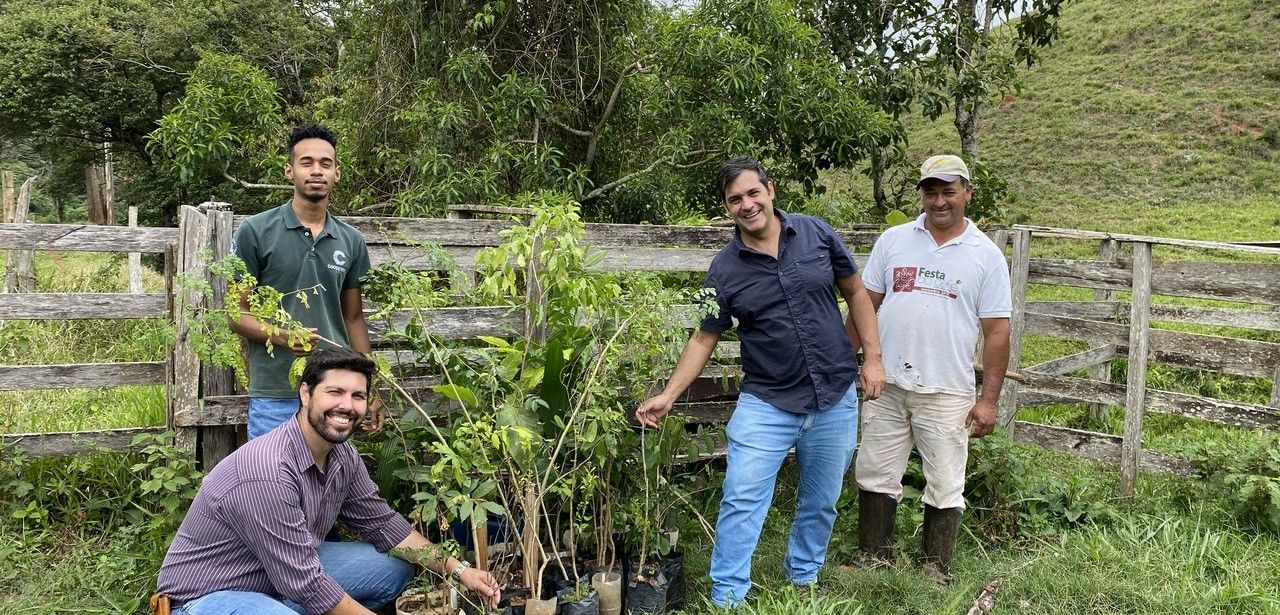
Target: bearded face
<point x="336" y="405"/>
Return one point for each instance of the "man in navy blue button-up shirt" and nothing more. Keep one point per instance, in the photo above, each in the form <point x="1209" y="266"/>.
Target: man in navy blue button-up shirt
<point x="776" y="279"/>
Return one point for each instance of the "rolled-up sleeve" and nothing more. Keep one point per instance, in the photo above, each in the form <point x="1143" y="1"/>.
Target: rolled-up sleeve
<point x="367" y="514"/>
<point x="267" y="516"/>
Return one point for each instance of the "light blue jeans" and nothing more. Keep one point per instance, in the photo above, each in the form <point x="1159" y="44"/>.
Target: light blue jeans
<point x="760" y="436"/>
<point x="267" y="413"/>
<point x="373" y="579"/>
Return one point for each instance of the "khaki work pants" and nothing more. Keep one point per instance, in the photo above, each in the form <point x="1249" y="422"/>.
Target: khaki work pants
<point x="934" y="423"/>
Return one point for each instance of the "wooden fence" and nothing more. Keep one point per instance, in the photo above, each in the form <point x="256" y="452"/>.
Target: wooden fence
<point x="86" y="306"/>
<point x="205" y="407"/>
<point x="1252" y="288"/>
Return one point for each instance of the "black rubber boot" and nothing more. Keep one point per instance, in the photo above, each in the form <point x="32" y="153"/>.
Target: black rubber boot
<point x="941" y="525"/>
<point x="875" y="530"/>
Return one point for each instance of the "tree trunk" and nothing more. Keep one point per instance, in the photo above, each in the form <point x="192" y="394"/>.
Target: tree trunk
<point x="968" y="120"/>
<point x="968" y="106"/>
<point x="877" y="180"/>
<point x="6" y="196"/>
<point x="530" y="541"/>
<point x="108" y="184"/>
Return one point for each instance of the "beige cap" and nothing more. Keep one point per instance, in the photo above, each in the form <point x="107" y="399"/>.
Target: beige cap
<point x="945" y="167"/>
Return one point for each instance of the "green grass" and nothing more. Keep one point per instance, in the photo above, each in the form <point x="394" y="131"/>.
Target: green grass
<point x="1138" y="121"/>
<point x="83" y="535"/>
<point x="47" y="573"/>
<point x="1157" y="554"/>
<point x="1153" y="558"/>
<point x="1161" y="123"/>
<point x="1155" y="122"/>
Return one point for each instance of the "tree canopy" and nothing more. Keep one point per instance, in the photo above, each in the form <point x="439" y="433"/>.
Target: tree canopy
<point x="624" y="105"/>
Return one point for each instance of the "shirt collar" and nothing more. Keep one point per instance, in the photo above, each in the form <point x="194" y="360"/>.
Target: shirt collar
<point x="301" y="453"/>
<point x="291" y="220"/>
<point x="969" y="236"/>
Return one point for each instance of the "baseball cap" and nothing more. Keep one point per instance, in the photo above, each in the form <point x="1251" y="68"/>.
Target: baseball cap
<point x="945" y="167"/>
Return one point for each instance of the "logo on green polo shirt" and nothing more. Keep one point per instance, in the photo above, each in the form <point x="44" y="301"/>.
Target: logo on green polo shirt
<point x="340" y="258"/>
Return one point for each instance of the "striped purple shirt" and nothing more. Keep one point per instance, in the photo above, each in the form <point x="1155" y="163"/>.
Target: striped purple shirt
<point x="262" y="512"/>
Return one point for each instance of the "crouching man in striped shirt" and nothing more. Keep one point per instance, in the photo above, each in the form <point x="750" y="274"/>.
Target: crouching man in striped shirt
<point x="253" y="540"/>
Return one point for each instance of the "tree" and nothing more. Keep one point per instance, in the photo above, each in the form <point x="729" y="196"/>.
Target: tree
<point x="229" y="120"/>
<point x="980" y="69"/>
<point x="928" y="56"/>
<point x="627" y="107"/>
<point x="885" y="46"/>
<point x="76" y="75"/>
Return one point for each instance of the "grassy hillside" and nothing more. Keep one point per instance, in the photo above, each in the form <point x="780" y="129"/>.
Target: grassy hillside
<point x="1153" y="119"/>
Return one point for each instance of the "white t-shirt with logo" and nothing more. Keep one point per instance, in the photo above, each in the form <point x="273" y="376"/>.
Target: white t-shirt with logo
<point x="933" y="298"/>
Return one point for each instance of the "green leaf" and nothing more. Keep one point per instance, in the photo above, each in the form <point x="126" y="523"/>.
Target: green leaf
<point x="494" y="341"/>
<point x="457" y="393"/>
<point x="295" y="371"/>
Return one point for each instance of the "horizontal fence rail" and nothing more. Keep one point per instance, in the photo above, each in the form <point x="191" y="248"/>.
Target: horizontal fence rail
<point x="86" y="238"/>
<point x="82" y="306"/>
<point x="76" y="443"/>
<point x="73" y="306"/>
<point x="81" y="375"/>
<point x="204" y="403"/>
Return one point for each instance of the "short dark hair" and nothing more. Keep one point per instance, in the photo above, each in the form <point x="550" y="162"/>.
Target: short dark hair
<point x="310" y="131"/>
<point x="730" y="171"/>
<point x="338" y="357"/>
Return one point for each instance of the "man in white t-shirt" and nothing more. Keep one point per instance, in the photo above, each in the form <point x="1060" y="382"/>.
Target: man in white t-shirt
<point x="936" y="284"/>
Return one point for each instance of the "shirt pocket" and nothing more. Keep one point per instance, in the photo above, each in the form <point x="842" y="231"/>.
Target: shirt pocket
<point x="815" y="270"/>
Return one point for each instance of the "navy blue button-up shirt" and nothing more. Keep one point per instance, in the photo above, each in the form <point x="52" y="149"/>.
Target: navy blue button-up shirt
<point x="796" y="354"/>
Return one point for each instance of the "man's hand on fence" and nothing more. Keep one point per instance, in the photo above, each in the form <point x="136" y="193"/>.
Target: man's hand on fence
<point x="982" y="419"/>
<point x="653" y="409"/>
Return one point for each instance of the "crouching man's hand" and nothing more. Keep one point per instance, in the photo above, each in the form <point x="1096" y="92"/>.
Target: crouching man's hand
<point x="483" y="584"/>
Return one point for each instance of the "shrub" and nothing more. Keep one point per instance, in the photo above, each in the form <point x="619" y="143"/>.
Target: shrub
<point x="1245" y="477"/>
<point x="1012" y="496"/>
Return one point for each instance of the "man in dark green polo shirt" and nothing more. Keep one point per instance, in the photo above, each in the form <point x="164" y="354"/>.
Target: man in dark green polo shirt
<point x="299" y="246"/>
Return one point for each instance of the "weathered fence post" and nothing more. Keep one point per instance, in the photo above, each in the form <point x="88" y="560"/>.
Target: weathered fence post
<point x="135" y="258"/>
<point x="18" y="274"/>
<point x="1102" y="371"/>
<point x="217" y="441"/>
<point x="184" y="390"/>
<point x="1018" y="272"/>
<point x="535" y="322"/>
<point x="6" y="196"/>
<point x="1136" y="392"/>
<point x="1275" y="388"/>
